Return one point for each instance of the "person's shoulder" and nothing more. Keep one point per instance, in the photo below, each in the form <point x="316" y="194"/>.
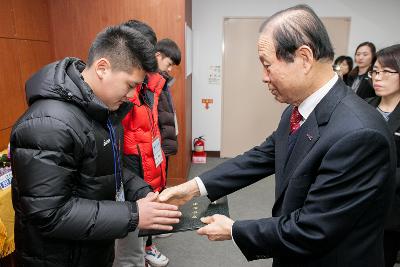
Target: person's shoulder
<point x="355" y="112"/>
<point x="52" y="115"/>
<point x="51" y="124"/>
<point x="358" y="105"/>
<point x="54" y="108"/>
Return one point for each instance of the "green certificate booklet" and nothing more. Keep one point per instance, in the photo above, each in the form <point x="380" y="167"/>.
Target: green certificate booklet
<point x="192" y="212"/>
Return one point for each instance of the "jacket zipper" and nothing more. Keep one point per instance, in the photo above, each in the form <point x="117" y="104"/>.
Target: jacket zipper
<point x="140" y="161"/>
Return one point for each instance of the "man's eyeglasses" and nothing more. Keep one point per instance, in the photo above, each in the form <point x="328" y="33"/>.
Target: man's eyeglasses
<point x="383" y="73"/>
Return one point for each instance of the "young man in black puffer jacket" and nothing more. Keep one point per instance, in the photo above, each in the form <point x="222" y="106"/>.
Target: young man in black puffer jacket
<point x="71" y="195"/>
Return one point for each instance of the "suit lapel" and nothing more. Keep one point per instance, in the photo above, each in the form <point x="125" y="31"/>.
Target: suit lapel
<point x="308" y="136"/>
<point x="282" y="134"/>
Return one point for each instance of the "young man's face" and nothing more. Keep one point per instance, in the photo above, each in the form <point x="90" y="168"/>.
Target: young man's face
<point x="164" y="63"/>
<point x="115" y="85"/>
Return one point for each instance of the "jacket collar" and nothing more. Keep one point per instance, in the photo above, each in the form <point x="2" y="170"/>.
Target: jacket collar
<point x="325" y="108"/>
<point x="154" y="82"/>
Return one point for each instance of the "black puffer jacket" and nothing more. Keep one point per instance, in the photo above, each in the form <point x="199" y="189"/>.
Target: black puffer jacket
<point x="63" y="174"/>
<point x="166" y="119"/>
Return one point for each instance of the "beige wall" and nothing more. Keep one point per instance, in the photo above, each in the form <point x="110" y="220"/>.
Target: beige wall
<point x="249" y="111"/>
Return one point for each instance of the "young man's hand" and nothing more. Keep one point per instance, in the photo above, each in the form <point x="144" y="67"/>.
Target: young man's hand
<point x="155" y="215"/>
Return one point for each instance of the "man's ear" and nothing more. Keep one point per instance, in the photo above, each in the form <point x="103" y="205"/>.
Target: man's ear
<point x="306" y="57"/>
<point x="102" y="67"/>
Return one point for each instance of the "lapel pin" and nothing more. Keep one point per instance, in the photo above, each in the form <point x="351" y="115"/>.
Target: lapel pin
<point x="309" y="137"/>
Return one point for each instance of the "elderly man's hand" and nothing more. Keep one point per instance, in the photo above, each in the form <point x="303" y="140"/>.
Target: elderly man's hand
<point x="154" y="215"/>
<point x="218" y="228"/>
<point x="180" y="194"/>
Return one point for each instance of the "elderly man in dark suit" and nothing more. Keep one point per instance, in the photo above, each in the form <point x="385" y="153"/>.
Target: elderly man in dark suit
<point x="332" y="156"/>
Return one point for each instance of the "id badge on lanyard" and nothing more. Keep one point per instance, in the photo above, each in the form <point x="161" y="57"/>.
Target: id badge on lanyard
<point x="176" y="124"/>
<point x="119" y="186"/>
<point x="120" y="195"/>
<point x="156" y="144"/>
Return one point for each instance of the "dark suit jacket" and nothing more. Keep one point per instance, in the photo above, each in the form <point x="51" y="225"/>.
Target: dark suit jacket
<point x="393" y="221"/>
<point x="332" y="195"/>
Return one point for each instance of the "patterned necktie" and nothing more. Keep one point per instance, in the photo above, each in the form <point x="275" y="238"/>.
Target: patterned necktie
<point x="295" y="119"/>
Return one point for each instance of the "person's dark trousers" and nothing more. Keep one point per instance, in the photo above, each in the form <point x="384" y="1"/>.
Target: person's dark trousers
<point x="391" y="246"/>
<point x="149" y="241"/>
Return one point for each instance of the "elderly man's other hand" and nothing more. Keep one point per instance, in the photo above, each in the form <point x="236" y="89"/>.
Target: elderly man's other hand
<point x="180" y="194"/>
<point x="218" y="228"/>
<point x="154" y="215"/>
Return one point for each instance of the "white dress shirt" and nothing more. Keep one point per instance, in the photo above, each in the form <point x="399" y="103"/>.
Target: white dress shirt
<point x="309" y="104"/>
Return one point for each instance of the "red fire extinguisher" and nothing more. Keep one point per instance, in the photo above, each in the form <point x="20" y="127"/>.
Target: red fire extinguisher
<point x="199" y="146"/>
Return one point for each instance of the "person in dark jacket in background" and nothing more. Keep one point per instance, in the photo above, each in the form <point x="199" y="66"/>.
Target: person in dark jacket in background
<point x="358" y="79"/>
<point x="386" y="81"/>
<point x="168" y="55"/>
<point x="71" y="195"/>
<point x="343" y="65"/>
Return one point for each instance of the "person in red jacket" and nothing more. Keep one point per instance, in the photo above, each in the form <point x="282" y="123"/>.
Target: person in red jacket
<point x="142" y="139"/>
<point x="143" y="155"/>
<point x="142" y="146"/>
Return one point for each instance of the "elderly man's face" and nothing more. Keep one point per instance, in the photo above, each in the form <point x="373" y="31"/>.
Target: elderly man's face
<point x="284" y="79"/>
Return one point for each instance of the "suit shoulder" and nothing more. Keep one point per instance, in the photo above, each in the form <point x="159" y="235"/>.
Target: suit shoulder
<point x="360" y="114"/>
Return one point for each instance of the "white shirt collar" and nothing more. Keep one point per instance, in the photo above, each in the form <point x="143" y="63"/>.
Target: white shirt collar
<point x="308" y="105"/>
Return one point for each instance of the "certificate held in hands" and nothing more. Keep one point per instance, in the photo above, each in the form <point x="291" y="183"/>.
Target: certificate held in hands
<point x="192" y="211"/>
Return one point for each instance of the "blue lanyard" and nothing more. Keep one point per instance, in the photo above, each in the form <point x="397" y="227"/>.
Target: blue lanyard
<point x="117" y="165"/>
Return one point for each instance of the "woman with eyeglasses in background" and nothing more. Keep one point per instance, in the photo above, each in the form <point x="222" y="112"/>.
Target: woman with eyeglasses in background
<point x="386" y="81"/>
<point x="358" y="79"/>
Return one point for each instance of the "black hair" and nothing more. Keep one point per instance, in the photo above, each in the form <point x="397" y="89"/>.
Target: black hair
<point x="144" y="29"/>
<point x="125" y="48"/>
<point x="372" y="47"/>
<point x="389" y="57"/>
<point x="297" y="26"/>
<point x="170" y="49"/>
<point x="348" y="60"/>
